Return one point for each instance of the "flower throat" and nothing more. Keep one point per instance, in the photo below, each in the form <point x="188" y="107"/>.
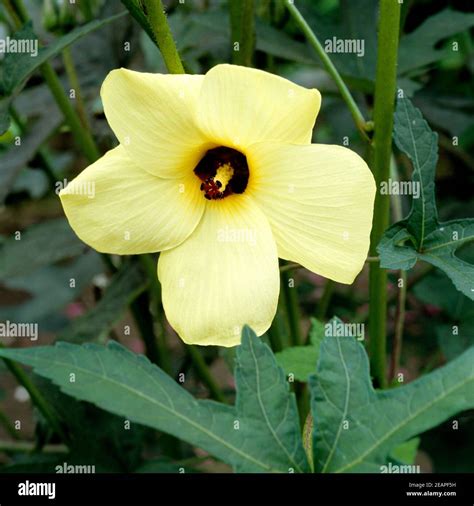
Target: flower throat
<point x="223" y="171"/>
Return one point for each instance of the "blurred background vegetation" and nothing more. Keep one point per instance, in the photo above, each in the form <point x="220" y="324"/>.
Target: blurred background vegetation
<point x="38" y="152"/>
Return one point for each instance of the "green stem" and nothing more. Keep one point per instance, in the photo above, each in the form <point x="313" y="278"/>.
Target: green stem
<point x="161" y="30"/>
<point x="308" y="439"/>
<point x="205" y="374"/>
<point x="242" y="24"/>
<point x="292" y="308"/>
<point x="385" y="87"/>
<point x="37" y="398"/>
<point x="81" y="136"/>
<point x="331" y="69"/>
<point x="75" y="85"/>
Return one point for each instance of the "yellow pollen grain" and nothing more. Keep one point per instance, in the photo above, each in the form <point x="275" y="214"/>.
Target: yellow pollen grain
<point x="224" y="175"/>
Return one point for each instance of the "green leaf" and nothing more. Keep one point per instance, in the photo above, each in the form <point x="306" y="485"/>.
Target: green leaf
<point x="125" y="286"/>
<point x="357" y="427"/>
<point x="263" y="396"/>
<point x="421" y="236"/>
<point x="418" y="48"/>
<point x="260" y="434"/>
<point x="301" y="360"/>
<point x="414" y="137"/>
<point x="455" y="327"/>
<point x="42" y="244"/>
<point x="16" y="68"/>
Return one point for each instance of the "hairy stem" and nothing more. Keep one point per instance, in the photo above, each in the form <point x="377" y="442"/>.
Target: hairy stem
<point x="385" y="87"/>
<point x="163" y="36"/>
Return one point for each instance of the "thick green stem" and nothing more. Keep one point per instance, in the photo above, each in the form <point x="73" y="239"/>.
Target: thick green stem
<point x="37" y="398"/>
<point x="385" y="87"/>
<point x="328" y="64"/>
<point x="242" y="25"/>
<point x="161" y="30"/>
